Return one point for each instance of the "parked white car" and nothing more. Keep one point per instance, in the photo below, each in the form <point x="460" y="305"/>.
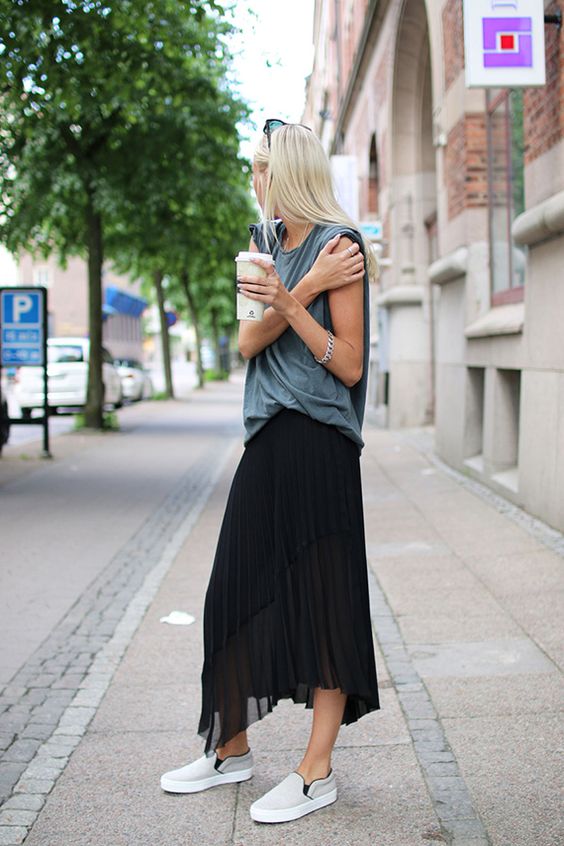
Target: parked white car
<point x="135" y="379"/>
<point x="67" y="378"/>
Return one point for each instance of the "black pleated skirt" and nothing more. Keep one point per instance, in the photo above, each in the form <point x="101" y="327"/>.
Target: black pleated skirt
<point x="287" y="607"/>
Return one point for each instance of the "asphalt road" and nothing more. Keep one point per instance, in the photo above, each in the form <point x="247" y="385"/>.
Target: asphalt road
<point x="184" y="379"/>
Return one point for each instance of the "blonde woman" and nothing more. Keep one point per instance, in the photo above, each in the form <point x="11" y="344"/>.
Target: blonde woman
<point x="287" y="609"/>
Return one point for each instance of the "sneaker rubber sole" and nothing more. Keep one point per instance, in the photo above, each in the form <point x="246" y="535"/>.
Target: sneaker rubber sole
<point x="286" y="814"/>
<point x="174" y="786"/>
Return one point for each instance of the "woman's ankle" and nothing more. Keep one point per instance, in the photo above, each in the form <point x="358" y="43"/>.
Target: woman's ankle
<point x="312" y="769"/>
<point x="223" y="752"/>
<point x="236" y="746"/>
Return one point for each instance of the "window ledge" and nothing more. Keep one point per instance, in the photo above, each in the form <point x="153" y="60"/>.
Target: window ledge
<point x="501" y="320"/>
<point x="475" y="463"/>
<point x="541" y="222"/>
<point x="449" y="267"/>
<point x="508" y="479"/>
<point x="401" y="295"/>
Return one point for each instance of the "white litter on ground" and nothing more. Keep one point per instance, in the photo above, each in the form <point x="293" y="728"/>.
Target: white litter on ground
<point x="178" y="618"/>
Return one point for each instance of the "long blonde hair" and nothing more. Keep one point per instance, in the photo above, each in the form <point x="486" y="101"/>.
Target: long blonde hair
<point x="299" y="185"/>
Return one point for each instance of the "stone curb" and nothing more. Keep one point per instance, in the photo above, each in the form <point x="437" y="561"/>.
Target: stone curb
<point x="459" y="820"/>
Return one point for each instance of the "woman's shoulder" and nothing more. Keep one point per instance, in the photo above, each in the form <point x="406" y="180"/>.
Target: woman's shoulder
<point x="326" y="231"/>
<point x="263" y="235"/>
<point x="257" y="234"/>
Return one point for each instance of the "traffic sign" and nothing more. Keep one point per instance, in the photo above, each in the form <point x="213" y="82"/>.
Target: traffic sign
<point x="22" y="319"/>
<point x="23" y="342"/>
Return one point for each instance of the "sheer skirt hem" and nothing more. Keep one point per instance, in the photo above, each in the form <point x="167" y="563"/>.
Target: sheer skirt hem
<point x="302" y="695"/>
<point x="287" y="606"/>
<point x="293" y="644"/>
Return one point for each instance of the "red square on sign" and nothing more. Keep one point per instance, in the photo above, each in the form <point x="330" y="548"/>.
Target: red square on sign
<point x="507" y="42"/>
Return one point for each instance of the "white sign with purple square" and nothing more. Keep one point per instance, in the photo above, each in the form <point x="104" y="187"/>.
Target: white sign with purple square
<point x="504" y="43"/>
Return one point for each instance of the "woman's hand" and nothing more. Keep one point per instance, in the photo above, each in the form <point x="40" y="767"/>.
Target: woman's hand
<point x="269" y="289"/>
<point x="336" y="267"/>
<point x="339" y="263"/>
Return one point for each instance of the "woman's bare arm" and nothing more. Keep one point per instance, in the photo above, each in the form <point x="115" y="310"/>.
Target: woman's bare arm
<point x="347" y="315"/>
<point x="255" y="335"/>
<point x="333" y="268"/>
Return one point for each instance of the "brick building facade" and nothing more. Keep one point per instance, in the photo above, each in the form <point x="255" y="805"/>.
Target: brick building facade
<point x="469" y="187"/>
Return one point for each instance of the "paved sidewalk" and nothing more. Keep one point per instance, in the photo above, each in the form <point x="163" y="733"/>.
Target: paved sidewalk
<point x="467" y="748"/>
<point x="78" y="536"/>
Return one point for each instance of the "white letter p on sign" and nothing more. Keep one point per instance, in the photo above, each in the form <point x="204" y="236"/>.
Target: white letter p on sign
<point x="22" y="304"/>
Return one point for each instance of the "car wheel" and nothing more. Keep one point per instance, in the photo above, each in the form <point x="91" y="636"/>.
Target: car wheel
<point x="26" y="413"/>
<point x="119" y="403"/>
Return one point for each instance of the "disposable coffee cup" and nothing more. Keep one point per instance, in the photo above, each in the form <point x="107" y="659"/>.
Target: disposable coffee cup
<point x="248" y="309"/>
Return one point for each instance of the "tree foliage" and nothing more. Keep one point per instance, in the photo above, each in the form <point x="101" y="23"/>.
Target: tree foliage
<point x="192" y="227"/>
<point x="104" y="107"/>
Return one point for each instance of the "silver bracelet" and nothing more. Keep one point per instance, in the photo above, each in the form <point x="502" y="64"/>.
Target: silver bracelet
<point x="329" y="351"/>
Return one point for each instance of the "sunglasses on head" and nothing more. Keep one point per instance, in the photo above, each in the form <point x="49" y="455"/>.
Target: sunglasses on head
<point x="275" y="123"/>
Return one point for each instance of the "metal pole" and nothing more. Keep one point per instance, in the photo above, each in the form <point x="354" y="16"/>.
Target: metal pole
<point x="1" y="407"/>
<point x="46" y="453"/>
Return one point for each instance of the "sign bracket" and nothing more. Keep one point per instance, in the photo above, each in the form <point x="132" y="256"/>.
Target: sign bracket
<point x="555" y="18"/>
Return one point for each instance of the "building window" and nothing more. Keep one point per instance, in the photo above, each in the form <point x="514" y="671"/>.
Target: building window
<point x="504" y="459"/>
<point x="373" y="180"/>
<point x="432" y="229"/>
<point x="506" y="193"/>
<point x="474" y="417"/>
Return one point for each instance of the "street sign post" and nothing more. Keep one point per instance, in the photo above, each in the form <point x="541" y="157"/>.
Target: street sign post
<point x="23" y="341"/>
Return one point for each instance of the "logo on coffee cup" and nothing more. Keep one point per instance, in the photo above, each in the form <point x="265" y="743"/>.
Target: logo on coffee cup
<point x="251" y="312"/>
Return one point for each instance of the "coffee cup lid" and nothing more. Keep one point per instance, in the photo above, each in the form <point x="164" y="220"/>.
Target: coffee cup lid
<point x="248" y="256"/>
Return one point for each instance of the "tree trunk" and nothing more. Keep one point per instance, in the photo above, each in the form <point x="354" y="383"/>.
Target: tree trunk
<point x="216" y="344"/>
<point x="94" y="411"/>
<point x="195" y="320"/>
<point x="158" y="280"/>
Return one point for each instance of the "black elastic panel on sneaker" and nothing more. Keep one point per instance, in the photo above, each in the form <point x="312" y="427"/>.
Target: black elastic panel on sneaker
<point x="307" y="786"/>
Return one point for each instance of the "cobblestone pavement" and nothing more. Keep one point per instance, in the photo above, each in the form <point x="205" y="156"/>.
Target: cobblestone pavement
<point x="466" y="601"/>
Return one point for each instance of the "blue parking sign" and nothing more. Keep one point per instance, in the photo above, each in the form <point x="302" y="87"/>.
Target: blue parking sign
<point x="22" y="328"/>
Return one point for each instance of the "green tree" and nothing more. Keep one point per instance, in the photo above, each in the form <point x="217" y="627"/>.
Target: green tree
<point x="86" y="89"/>
<point x="192" y="228"/>
<point x="211" y="234"/>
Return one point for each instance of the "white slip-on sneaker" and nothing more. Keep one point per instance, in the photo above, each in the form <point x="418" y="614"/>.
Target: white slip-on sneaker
<point x="208" y="771"/>
<point x="293" y="798"/>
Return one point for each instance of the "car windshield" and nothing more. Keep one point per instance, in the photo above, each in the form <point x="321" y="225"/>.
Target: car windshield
<point x="128" y="362"/>
<point x="59" y="353"/>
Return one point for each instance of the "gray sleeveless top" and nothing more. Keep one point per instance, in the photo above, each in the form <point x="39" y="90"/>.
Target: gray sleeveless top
<point x="285" y="374"/>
